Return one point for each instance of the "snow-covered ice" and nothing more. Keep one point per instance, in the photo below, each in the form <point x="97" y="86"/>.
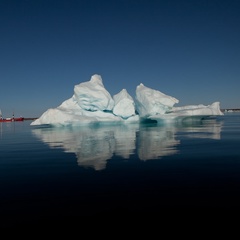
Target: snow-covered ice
<point x="92" y="103"/>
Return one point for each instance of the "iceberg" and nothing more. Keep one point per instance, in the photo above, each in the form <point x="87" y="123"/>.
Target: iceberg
<point x="91" y="103"/>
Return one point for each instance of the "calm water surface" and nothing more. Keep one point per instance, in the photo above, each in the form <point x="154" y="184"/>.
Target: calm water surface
<point x="127" y="170"/>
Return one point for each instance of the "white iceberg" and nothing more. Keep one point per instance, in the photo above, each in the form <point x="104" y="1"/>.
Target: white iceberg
<point x="92" y="95"/>
<point x="91" y="103"/>
<point x="124" y="105"/>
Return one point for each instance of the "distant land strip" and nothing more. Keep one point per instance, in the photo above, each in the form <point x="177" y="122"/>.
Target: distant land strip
<point x="230" y="110"/>
<point x="30" y="118"/>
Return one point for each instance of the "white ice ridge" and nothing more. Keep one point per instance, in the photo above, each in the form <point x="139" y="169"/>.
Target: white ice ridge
<point x="92" y="103"/>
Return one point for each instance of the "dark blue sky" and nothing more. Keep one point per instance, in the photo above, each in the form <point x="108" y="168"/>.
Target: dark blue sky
<point x="187" y="49"/>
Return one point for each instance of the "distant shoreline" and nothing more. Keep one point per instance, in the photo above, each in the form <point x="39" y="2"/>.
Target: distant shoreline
<point x="30" y="118"/>
<point x="231" y="110"/>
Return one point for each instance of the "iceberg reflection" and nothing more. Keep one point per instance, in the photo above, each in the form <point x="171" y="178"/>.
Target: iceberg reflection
<point x="209" y="128"/>
<point x="95" y="145"/>
<point x="155" y="143"/>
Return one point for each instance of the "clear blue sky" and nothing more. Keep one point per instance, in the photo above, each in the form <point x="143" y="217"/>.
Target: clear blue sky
<point x="184" y="48"/>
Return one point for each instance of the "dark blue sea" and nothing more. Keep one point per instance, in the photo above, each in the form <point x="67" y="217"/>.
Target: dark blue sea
<point x="118" y="171"/>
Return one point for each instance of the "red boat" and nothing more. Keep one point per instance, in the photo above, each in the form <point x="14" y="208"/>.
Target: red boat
<point x="12" y="119"/>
